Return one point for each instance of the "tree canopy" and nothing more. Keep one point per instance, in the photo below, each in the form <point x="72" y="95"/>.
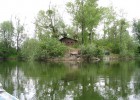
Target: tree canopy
<point x="86" y="16"/>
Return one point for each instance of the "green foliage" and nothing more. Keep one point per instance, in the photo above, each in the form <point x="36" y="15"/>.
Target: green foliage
<point x="41" y="50"/>
<point x="6" y="52"/>
<point x="86" y="16"/>
<point x="116" y="36"/>
<point x="49" y="24"/>
<point x="3" y="51"/>
<point x="6" y="39"/>
<point x="7" y="29"/>
<point x="129" y="49"/>
<point x="50" y="48"/>
<point x="6" y="32"/>
<point x="19" y="34"/>
<point x="8" y="36"/>
<point x="91" y="51"/>
<point x="29" y="48"/>
<point x="136" y="29"/>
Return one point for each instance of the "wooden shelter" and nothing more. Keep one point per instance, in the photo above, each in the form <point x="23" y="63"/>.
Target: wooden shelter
<point x="68" y="41"/>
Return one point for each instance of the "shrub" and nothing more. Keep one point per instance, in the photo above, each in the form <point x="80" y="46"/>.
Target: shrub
<point x="52" y="48"/>
<point x="6" y="50"/>
<point x="29" y="49"/>
<point x="91" y="51"/>
<point x="43" y="49"/>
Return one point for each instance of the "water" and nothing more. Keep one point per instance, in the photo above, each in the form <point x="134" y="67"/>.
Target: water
<point x="72" y="80"/>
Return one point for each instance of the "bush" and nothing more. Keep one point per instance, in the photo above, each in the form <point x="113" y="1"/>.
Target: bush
<point x="6" y="51"/>
<point x="43" y="49"/>
<point x="52" y="48"/>
<point x="29" y="49"/>
<point x="91" y="51"/>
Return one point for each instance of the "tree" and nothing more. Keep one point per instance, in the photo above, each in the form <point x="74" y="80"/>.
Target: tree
<point x="6" y="35"/>
<point x="136" y="29"/>
<point x="108" y="19"/>
<point x="116" y="38"/>
<point x="19" y="33"/>
<point x="86" y="16"/>
<point x="72" y="32"/>
<point x="7" y="31"/>
<point x="117" y="35"/>
<point x="29" y="48"/>
<point x="49" y="24"/>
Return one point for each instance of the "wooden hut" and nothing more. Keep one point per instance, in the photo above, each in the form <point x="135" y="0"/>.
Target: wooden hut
<point x="68" y="41"/>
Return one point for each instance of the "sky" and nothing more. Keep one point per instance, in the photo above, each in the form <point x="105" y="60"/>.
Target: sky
<point x="130" y="7"/>
<point x="27" y="10"/>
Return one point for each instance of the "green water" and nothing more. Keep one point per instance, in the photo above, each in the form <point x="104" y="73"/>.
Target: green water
<point x="71" y="80"/>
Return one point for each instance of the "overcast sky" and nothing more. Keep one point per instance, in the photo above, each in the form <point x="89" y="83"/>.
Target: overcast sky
<point x="27" y="9"/>
<point x="130" y="7"/>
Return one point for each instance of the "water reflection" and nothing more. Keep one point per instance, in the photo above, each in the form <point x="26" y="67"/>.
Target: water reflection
<point x="72" y="80"/>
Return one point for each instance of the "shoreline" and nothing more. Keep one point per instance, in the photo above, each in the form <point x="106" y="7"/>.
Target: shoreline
<point x="78" y="59"/>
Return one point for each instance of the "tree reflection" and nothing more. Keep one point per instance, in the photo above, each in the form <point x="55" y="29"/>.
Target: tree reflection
<point x="71" y="80"/>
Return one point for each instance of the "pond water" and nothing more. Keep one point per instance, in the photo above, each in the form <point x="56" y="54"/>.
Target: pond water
<point x="72" y="80"/>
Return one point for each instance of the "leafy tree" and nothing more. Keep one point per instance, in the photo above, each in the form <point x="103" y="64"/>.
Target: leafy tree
<point x="49" y="24"/>
<point x="19" y="33"/>
<point x="6" y="33"/>
<point x="116" y="38"/>
<point x="108" y="18"/>
<point x="123" y="25"/>
<point x="6" y="41"/>
<point x="72" y="31"/>
<point x="86" y="16"/>
<point x="29" y="49"/>
<point x="110" y="30"/>
<point x="136" y="29"/>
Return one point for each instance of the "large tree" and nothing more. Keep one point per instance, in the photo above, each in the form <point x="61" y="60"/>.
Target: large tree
<point x="86" y="16"/>
<point x="6" y="38"/>
<point x="49" y="24"/>
<point x="6" y="33"/>
<point x="108" y="19"/>
<point x="19" y="33"/>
